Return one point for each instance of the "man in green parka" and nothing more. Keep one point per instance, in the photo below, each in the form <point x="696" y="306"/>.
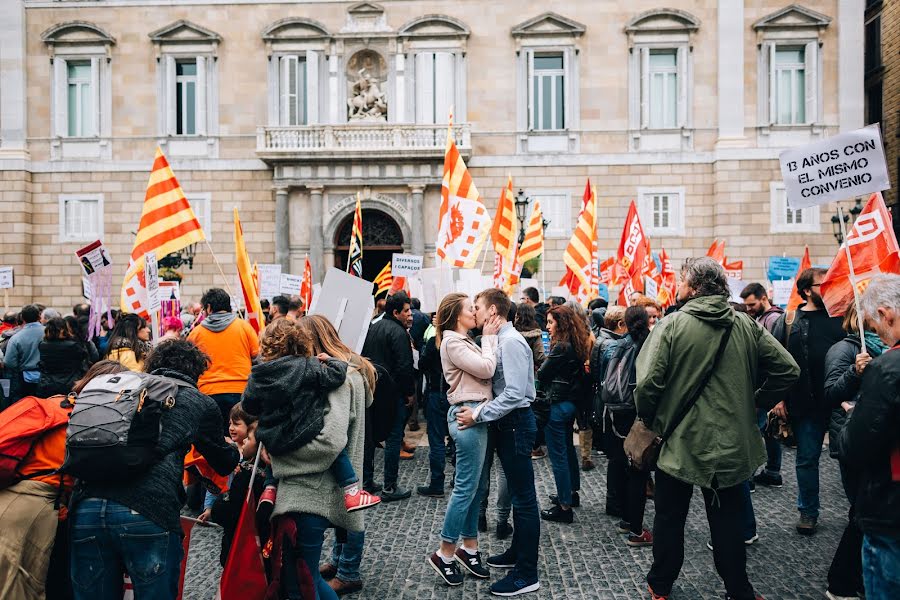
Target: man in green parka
<point x="717" y="445"/>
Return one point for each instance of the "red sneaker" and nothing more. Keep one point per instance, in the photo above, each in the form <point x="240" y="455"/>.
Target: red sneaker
<point x="636" y="541"/>
<point x="655" y="596"/>
<point x="268" y="495"/>
<point x="360" y="500"/>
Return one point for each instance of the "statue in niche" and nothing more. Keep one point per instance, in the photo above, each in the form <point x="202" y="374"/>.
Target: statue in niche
<point x="366" y="72"/>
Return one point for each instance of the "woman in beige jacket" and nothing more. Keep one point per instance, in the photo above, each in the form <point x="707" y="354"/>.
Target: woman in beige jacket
<point x="468" y="370"/>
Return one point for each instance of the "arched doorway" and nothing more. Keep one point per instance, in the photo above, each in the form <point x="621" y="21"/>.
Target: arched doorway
<point x="382" y="237"/>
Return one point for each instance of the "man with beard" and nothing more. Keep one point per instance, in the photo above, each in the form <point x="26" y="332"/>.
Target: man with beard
<point x="808" y="333"/>
<point x="756" y="299"/>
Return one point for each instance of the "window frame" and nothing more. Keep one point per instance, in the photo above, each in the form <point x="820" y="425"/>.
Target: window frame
<point x="795" y="69"/>
<point x="778" y="211"/>
<point x="558" y="108"/>
<point x="548" y="199"/>
<point x="206" y="220"/>
<point x="182" y="83"/>
<point x="301" y="89"/>
<point x="64" y="234"/>
<point x="666" y="73"/>
<point x="677" y="210"/>
<point x="81" y="126"/>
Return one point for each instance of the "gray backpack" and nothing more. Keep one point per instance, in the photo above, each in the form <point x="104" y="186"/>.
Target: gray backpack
<point x="113" y="433"/>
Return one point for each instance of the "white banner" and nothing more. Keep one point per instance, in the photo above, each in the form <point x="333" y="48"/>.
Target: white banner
<point x="151" y="277"/>
<point x="736" y="286"/>
<point x="651" y="288"/>
<point x="403" y="265"/>
<point x="269" y="280"/>
<point x="6" y="278"/>
<point x="781" y="291"/>
<point x="290" y="284"/>
<point x="841" y="167"/>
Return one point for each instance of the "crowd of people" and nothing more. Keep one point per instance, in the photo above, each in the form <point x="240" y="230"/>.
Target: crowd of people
<point x="703" y="394"/>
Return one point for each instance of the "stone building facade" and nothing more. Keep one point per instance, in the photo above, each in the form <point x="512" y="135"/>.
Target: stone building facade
<point x="287" y="110"/>
<point x="882" y="77"/>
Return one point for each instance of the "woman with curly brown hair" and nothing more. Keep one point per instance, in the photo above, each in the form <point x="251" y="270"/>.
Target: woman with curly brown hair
<point x="562" y="377"/>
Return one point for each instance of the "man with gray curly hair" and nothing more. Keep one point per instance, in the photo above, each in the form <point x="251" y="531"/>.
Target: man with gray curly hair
<point x="870" y="443"/>
<point x="697" y="378"/>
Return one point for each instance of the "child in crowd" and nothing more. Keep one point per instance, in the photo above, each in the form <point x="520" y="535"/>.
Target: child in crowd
<point x="288" y="391"/>
<point x="239" y="426"/>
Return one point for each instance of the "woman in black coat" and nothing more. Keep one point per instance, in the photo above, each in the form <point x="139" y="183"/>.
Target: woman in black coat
<point x="62" y="359"/>
<point x="842" y="383"/>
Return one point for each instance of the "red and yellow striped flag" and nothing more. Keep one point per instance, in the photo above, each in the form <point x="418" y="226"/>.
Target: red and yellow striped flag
<point x="167" y="225"/>
<point x="355" y="254"/>
<point x="384" y="280"/>
<point x="306" y="285"/>
<point x="533" y="244"/>
<point x="463" y="222"/>
<point x="245" y="274"/>
<point x="503" y="231"/>
<point x="581" y="252"/>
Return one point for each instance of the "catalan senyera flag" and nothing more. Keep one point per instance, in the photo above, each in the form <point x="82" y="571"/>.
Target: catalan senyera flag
<point x="384" y="280"/>
<point x="306" y="285"/>
<point x="873" y="250"/>
<point x="581" y="253"/>
<point x="167" y="225"/>
<point x="245" y="273"/>
<point x="569" y="279"/>
<point x="355" y="255"/>
<point x="795" y="300"/>
<point x="634" y="247"/>
<point x="503" y="230"/>
<point x="533" y="244"/>
<point x="463" y="222"/>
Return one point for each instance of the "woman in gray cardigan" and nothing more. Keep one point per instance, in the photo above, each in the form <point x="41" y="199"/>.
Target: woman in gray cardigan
<point x="307" y="491"/>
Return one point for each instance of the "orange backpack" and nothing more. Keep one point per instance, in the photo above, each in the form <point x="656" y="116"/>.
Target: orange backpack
<point x="22" y="426"/>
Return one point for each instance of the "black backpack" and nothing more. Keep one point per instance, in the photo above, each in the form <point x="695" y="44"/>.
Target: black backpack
<point x="620" y="379"/>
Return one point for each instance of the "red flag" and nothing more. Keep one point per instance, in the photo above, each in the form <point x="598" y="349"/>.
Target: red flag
<point x="306" y="285"/>
<point x="606" y="270"/>
<point x="717" y="251"/>
<point x="187" y="526"/>
<point x="873" y="249"/>
<point x="244" y="577"/>
<point x="795" y="299"/>
<point x="666" y="294"/>
<point x="630" y="259"/>
<point x="735" y="269"/>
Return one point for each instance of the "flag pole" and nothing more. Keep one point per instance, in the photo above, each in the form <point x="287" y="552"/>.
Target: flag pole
<point x="859" y="316"/>
<point x="221" y="271"/>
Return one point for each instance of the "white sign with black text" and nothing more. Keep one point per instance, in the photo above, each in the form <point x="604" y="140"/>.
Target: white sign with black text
<point x="151" y="277"/>
<point x="404" y="265"/>
<point x="6" y="278"/>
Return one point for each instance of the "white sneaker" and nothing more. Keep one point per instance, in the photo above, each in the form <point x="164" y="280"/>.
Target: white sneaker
<point x="831" y="596"/>
<point x="752" y="540"/>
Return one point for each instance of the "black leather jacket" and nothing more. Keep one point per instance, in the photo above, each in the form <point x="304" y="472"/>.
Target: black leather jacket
<point x="561" y="375"/>
<point x="870" y="440"/>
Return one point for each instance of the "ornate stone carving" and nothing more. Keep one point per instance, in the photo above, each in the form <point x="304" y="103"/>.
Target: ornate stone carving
<point x="366" y="73"/>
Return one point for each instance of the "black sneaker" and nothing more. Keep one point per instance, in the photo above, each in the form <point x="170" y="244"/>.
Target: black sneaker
<point x="769" y="479"/>
<point x="507" y="560"/>
<point x="472" y="563"/>
<point x="576" y="499"/>
<point x="513" y="585"/>
<point x="391" y="494"/>
<point x="558" y="515"/>
<point x="449" y="572"/>
<point x="430" y="492"/>
<point x="504" y="530"/>
<point x="623" y="527"/>
<point x="373" y="487"/>
<point x="807" y="525"/>
<point x="752" y="486"/>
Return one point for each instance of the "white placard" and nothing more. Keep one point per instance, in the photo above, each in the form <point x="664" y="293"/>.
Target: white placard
<point x="316" y="290"/>
<point x="151" y="277"/>
<point x="846" y="165"/>
<point x="85" y="287"/>
<point x="290" y="284"/>
<point x="437" y="282"/>
<point x="169" y="290"/>
<point x="269" y="280"/>
<point x="6" y="278"/>
<point x="560" y="290"/>
<point x="404" y="265"/>
<point x="416" y="291"/>
<point x="93" y="257"/>
<point x="736" y="286"/>
<point x="527" y="283"/>
<point x="781" y="291"/>
<point x="469" y="281"/>
<point x="347" y="302"/>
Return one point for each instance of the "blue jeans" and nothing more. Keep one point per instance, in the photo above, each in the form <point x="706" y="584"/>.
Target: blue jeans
<point x="436" y="408"/>
<point x="504" y="502"/>
<point x="881" y="566"/>
<point x="515" y="439"/>
<point x="109" y="539"/>
<point x="310" y="538"/>
<point x="342" y="469"/>
<point x="748" y="522"/>
<point x="348" y="556"/>
<point x="773" y="447"/>
<point x="561" y="449"/>
<point x="461" y="518"/>
<point x="810" y="433"/>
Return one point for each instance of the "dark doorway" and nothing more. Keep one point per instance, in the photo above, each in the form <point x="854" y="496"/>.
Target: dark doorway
<point x="381" y="238"/>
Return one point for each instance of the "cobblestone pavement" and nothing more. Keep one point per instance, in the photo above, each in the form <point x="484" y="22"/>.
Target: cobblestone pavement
<point x="587" y="559"/>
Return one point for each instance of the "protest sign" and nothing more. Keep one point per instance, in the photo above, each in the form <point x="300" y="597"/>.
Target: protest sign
<point x="651" y="288"/>
<point x="269" y="280"/>
<point x="736" y="286"/>
<point x="151" y="277"/>
<point x="782" y="267"/>
<point x="416" y="291"/>
<point x="468" y="281"/>
<point x="169" y="290"/>
<point x="437" y="282"/>
<point x="93" y="257"/>
<point x="527" y="283"/>
<point x="347" y="302"/>
<point x="560" y="290"/>
<point x="290" y="284"/>
<point x="781" y="291"/>
<point x="405" y="264"/>
<point x="85" y="287"/>
<point x="6" y="278"/>
<point x="846" y="165"/>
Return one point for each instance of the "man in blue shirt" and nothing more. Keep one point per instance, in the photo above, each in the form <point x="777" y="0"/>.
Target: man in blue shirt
<point x="510" y="416"/>
<point x="22" y="355"/>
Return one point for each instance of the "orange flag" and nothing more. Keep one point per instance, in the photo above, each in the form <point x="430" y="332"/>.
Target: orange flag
<point x="581" y="253"/>
<point x="306" y="285"/>
<point x="245" y="273"/>
<point x="873" y="249"/>
<point x="634" y="247"/>
<point x="717" y="251"/>
<point x="533" y="244"/>
<point x="795" y="299"/>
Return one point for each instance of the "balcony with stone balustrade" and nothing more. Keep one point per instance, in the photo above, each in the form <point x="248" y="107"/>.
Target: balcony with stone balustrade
<point x="369" y="141"/>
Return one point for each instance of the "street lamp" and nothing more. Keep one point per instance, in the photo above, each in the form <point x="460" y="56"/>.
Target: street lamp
<point x="848" y="220"/>
<point x="522" y="202"/>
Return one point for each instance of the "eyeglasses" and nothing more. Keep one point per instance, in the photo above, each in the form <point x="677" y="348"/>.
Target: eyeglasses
<point x="816" y="285"/>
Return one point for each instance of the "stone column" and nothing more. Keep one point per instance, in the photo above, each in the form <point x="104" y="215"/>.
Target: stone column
<point x="13" y="87"/>
<point x="417" y="216"/>
<point x="282" y="230"/>
<point x="316" y="235"/>
<point x="731" y="71"/>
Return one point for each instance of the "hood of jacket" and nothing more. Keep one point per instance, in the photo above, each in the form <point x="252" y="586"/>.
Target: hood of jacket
<point x="217" y="322"/>
<point x="713" y="310"/>
<point x="531" y="334"/>
<point x="282" y="377"/>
